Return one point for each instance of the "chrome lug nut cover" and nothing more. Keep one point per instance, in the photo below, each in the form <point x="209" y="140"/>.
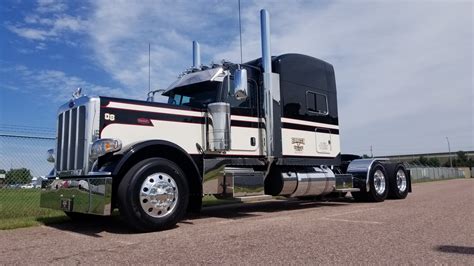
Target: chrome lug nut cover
<point x="379" y="182"/>
<point x="401" y="180"/>
<point x="158" y="195"/>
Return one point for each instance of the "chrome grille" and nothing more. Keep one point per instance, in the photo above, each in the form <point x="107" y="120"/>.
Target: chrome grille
<point x="71" y="139"/>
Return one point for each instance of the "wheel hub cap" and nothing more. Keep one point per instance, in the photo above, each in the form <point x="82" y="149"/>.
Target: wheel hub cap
<point x="158" y="195"/>
<point x="401" y="180"/>
<point x="379" y="182"/>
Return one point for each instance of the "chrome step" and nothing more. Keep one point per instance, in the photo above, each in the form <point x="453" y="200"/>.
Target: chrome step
<point x="347" y="190"/>
<point x="253" y="198"/>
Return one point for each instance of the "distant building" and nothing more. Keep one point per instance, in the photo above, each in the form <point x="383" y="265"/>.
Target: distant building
<point x="443" y="157"/>
<point x="2" y="179"/>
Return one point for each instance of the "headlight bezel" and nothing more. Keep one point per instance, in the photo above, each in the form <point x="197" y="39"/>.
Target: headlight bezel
<point x="102" y="147"/>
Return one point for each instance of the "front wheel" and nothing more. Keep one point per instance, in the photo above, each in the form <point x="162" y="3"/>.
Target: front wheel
<point x="153" y="195"/>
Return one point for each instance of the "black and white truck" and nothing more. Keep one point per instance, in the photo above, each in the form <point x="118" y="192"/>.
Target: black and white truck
<point x="265" y="127"/>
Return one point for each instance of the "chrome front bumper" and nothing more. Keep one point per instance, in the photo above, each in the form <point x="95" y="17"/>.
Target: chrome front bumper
<point x="91" y="195"/>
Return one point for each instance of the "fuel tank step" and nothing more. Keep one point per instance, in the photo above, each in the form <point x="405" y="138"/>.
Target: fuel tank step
<point x="347" y="190"/>
<point x="253" y="198"/>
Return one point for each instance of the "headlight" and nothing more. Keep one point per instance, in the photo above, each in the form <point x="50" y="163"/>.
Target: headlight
<point x="50" y="156"/>
<point x="103" y="146"/>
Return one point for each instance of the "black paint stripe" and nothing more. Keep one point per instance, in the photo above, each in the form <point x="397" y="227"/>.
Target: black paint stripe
<point x="132" y="116"/>
<point x="106" y="100"/>
<point x="310" y="128"/>
<point x="239" y="123"/>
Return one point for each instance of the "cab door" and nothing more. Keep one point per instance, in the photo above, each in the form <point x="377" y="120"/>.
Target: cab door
<point x="317" y="105"/>
<point x="245" y="137"/>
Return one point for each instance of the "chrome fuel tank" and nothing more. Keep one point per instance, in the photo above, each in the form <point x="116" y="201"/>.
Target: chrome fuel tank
<point x="307" y="181"/>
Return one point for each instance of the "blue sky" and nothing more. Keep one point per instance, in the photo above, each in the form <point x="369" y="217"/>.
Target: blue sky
<point x="403" y="69"/>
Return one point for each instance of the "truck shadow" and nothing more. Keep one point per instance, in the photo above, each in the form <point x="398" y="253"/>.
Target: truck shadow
<point x="94" y="225"/>
<point x="455" y="249"/>
<point x="242" y="211"/>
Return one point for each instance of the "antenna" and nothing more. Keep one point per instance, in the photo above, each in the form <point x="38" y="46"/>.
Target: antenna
<point x="240" y="34"/>
<point x="149" y="67"/>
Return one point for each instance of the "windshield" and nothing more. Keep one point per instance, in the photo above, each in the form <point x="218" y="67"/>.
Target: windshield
<point x="196" y="95"/>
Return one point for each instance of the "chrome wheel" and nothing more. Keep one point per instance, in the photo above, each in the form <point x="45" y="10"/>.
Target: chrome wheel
<point x="379" y="182"/>
<point x="401" y="180"/>
<point x="158" y="195"/>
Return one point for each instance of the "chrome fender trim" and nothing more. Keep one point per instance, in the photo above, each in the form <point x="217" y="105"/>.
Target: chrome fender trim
<point x="363" y="166"/>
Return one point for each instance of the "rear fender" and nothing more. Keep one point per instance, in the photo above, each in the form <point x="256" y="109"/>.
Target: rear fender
<point x="360" y="170"/>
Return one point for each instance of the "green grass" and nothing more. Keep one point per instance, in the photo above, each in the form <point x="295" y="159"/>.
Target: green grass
<point x="20" y="208"/>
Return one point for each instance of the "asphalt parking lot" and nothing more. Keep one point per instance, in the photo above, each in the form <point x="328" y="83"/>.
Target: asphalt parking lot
<point x="435" y="224"/>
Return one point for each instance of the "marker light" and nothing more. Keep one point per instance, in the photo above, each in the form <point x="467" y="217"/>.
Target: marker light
<point x="50" y="156"/>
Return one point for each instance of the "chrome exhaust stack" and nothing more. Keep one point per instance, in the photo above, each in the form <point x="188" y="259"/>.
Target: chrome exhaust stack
<point x="265" y="35"/>
<point x="196" y="55"/>
<point x="271" y="88"/>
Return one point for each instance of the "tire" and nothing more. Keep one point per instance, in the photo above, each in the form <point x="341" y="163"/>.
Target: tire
<point x="153" y="195"/>
<point x="398" y="181"/>
<point x="378" y="184"/>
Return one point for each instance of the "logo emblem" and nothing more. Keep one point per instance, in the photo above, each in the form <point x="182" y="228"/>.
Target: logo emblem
<point x="298" y="144"/>
<point x="109" y="117"/>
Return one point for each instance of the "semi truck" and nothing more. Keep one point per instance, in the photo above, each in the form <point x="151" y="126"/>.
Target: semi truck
<point x="265" y="127"/>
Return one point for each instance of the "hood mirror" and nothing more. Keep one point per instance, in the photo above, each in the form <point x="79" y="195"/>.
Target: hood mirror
<point x="240" y="84"/>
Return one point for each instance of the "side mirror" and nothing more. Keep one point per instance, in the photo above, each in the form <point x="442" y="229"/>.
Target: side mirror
<point x="240" y="84"/>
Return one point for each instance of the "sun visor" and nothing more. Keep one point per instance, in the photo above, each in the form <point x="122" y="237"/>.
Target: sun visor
<point x="213" y="74"/>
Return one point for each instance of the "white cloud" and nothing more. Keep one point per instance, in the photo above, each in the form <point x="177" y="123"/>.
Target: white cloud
<point x="29" y="33"/>
<point x="49" y="6"/>
<point x="49" y="22"/>
<point x="54" y="85"/>
<point x="122" y="31"/>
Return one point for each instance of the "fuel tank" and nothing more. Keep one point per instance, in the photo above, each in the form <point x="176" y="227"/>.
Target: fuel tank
<point x="301" y="181"/>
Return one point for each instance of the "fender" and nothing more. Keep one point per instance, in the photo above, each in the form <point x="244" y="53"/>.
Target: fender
<point x="360" y="169"/>
<point x="134" y="152"/>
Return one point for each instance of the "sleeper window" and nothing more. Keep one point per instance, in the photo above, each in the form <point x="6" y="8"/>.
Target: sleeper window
<point x="316" y="103"/>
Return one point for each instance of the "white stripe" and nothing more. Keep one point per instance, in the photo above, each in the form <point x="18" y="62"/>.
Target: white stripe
<point x="136" y="107"/>
<point x="245" y="118"/>
<point x="308" y="123"/>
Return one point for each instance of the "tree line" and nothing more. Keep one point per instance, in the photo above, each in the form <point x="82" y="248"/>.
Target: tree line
<point x="17" y="176"/>
<point x="460" y="160"/>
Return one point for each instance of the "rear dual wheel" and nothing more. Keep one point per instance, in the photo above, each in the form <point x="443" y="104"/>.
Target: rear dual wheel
<point x="398" y="181"/>
<point x="378" y="185"/>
